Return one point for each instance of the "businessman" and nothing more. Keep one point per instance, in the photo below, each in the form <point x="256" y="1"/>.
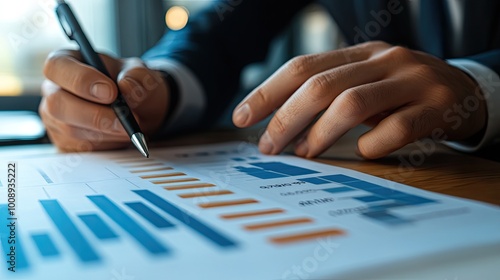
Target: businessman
<point x="414" y="69"/>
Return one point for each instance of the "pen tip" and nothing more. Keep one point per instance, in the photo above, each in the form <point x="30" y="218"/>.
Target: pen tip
<point x="140" y="143"/>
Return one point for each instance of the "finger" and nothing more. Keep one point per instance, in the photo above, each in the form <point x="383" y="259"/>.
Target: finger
<point x="277" y="89"/>
<point x="349" y="109"/>
<point x="70" y="139"/>
<point x="145" y="92"/>
<point x="405" y="126"/>
<point x="77" y="112"/>
<point x="312" y="97"/>
<point x="67" y="131"/>
<point x="66" y="69"/>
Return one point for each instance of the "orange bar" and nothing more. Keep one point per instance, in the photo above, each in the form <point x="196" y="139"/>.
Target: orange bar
<point x="278" y="224"/>
<point x="193" y="186"/>
<point x="136" y="160"/>
<point x="175" y="181"/>
<point x="227" y="203"/>
<point x="151" y="170"/>
<point x="252" y="214"/>
<point x="163" y="175"/>
<point x="305" y="236"/>
<point x="145" y="165"/>
<point x="213" y="193"/>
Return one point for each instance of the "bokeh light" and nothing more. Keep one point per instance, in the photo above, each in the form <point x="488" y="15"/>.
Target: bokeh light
<point x="176" y="17"/>
<point x="10" y="85"/>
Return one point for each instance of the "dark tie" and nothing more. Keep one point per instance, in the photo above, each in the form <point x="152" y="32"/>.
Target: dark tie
<point x="432" y="27"/>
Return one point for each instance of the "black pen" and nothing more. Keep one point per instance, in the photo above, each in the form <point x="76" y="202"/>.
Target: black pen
<point x="74" y="31"/>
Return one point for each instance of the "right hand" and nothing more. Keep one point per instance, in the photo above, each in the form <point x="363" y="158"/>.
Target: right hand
<point x="76" y="97"/>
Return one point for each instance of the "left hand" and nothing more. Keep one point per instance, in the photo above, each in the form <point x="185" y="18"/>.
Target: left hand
<point x="403" y="94"/>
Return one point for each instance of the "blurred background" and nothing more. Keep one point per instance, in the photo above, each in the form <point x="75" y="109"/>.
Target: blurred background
<point x="29" y="31"/>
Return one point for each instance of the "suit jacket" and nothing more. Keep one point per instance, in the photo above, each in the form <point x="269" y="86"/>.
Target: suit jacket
<point x="221" y="40"/>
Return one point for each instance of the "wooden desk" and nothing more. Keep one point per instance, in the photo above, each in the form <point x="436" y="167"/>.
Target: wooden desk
<point x="432" y="167"/>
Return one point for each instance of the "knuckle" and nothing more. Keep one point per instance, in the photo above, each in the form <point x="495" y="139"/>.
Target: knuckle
<point x="424" y="71"/>
<point x="278" y="123"/>
<point x="318" y="85"/>
<point x="260" y="96"/>
<point x="300" y="65"/>
<point x="399" y="54"/>
<point x="320" y="138"/>
<point x="98" y="119"/>
<point x="353" y="103"/>
<point x="403" y="129"/>
<point x="52" y="105"/>
<point x="377" y="44"/>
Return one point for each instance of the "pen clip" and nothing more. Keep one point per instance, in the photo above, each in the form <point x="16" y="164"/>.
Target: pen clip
<point x="63" y="11"/>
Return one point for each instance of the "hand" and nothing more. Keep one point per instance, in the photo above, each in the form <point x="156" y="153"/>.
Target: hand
<point x="403" y="94"/>
<point x="76" y="97"/>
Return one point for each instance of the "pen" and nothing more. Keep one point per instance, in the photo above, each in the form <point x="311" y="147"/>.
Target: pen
<point x="74" y="32"/>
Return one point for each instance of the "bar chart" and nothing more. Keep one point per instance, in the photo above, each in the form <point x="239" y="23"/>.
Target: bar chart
<point x="215" y="209"/>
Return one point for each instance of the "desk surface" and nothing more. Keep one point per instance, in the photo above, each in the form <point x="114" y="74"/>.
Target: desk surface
<point x="432" y="167"/>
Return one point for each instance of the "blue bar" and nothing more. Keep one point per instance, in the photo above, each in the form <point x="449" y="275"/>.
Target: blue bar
<point x="339" y="178"/>
<point x="21" y="261"/>
<point x="254" y="158"/>
<point x="45" y="176"/>
<point x="98" y="227"/>
<point x="238" y="159"/>
<point x="386" y="206"/>
<point x="45" y="245"/>
<point x="129" y="225"/>
<point x="370" y="198"/>
<point x="149" y="214"/>
<point x="389" y="193"/>
<point x="386" y="218"/>
<point x="315" y="181"/>
<point x="287" y="169"/>
<point x="339" y="190"/>
<point x="186" y="219"/>
<point x="69" y="230"/>
<point x="259" y="173"/>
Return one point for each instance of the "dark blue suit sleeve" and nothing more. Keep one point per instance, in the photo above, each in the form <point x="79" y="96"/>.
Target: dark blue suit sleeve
<point x="490" y="59"/>
<point x="221" y="40"/>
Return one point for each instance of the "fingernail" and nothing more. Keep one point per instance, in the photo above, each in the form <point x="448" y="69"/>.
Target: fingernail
<point x="266" y="144"/>
<point x="242" y="114"/>
<point x="302" y="147"/>
<point x="101" y="91"/>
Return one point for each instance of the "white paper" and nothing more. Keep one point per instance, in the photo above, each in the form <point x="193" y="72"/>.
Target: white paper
<point x="377" y="222"/>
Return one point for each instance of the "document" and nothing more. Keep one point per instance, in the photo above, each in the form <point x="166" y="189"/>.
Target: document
<point x="220" y="211"/>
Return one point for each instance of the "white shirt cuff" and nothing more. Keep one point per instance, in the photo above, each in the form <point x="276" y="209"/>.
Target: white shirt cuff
<point x="489" y="82"/>
<point x="192" y="101"/>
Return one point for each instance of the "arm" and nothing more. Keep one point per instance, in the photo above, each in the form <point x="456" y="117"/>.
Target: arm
<point x="214" y="48"/>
